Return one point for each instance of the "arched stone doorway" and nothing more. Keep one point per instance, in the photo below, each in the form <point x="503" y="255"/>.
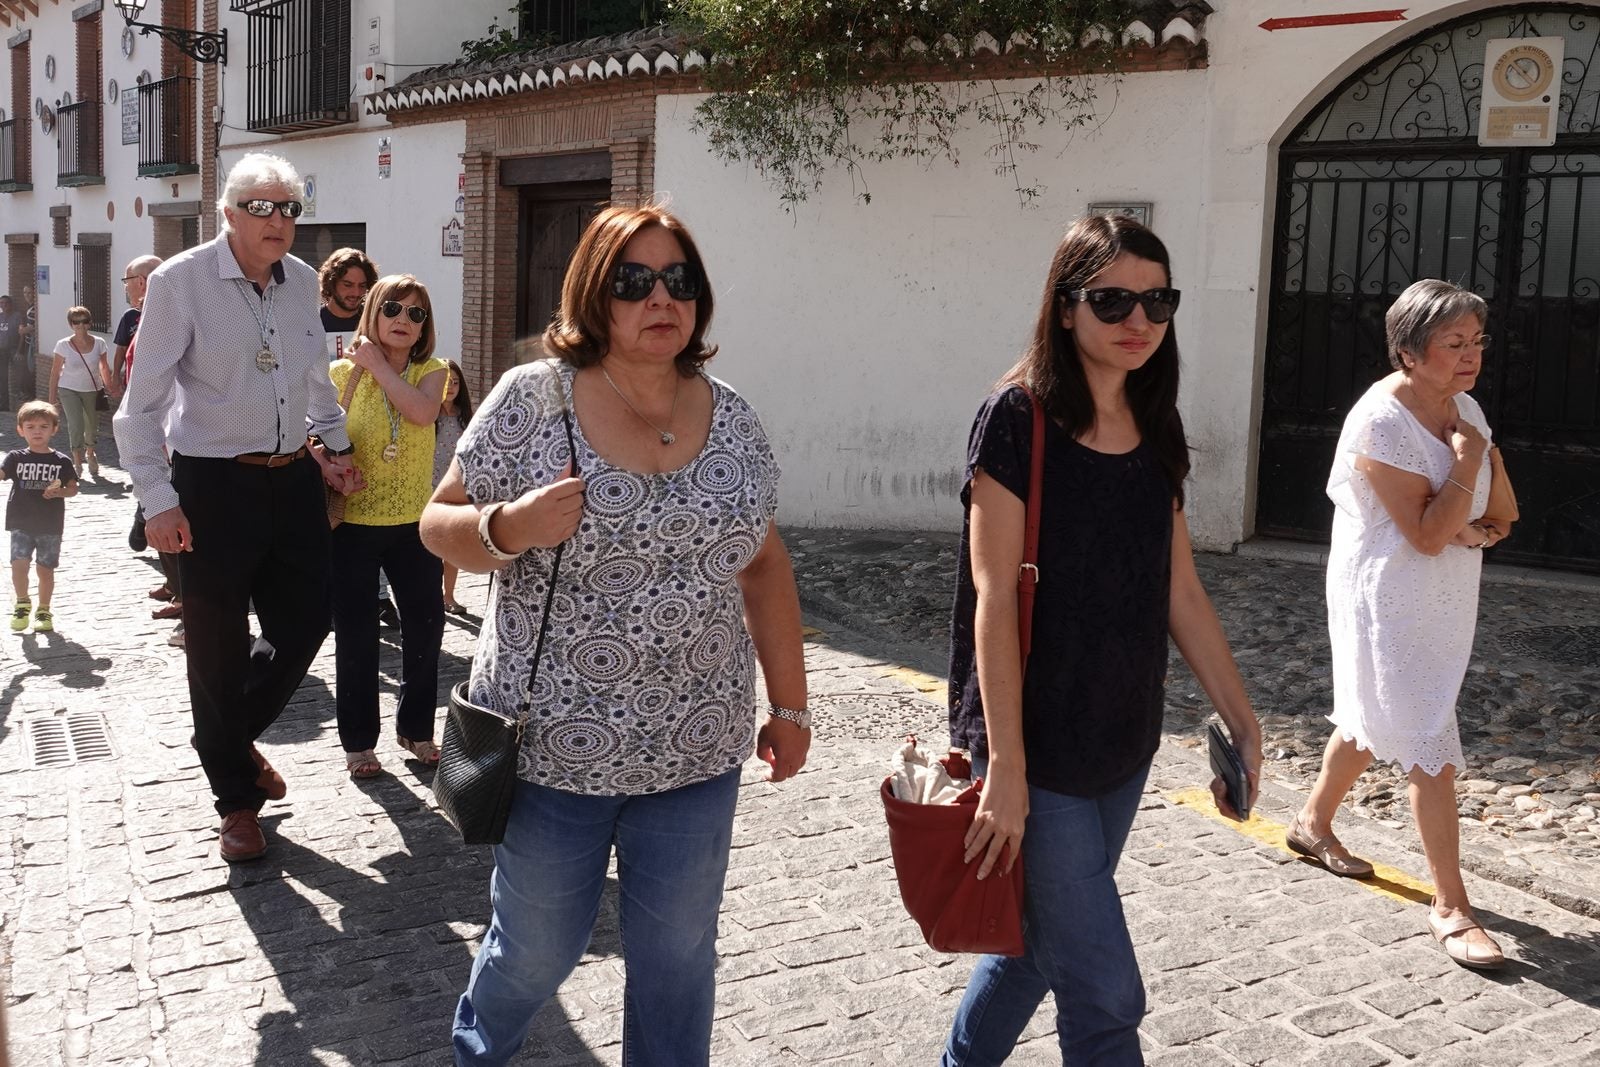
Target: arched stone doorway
<point x="1385" y="183"/>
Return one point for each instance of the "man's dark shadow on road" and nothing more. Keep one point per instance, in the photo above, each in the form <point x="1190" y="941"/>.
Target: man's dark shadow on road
<point x="377" y="977"/>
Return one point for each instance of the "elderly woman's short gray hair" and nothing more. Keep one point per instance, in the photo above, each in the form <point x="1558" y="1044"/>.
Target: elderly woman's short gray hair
<point x="252" y="172"/>
<point x="1423" y="308"/>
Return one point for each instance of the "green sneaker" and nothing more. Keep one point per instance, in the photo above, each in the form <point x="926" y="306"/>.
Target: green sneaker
<point x="19" y="616"/>
<point x="43" y="621"/>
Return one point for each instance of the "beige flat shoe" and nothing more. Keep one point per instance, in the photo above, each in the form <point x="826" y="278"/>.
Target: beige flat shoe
<point x="1326" y="851"/>
<point x="1472" y="954"/>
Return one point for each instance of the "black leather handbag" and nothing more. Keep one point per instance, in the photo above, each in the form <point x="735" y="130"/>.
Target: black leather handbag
<point x="477" y="773"/>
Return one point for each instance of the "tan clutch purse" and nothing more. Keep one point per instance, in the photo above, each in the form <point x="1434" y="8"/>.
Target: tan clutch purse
<point x="1502" y="498"/>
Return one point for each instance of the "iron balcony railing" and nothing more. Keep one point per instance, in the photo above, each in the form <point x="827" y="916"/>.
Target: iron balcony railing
<point x="78" y="144"/>
<point x="299" y="65"/>
<point x="167" y="128"/>
<point x="15" y="175"/>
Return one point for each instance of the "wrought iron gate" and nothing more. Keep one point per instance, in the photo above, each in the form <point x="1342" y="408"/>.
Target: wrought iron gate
<point x="1385" y="184"/>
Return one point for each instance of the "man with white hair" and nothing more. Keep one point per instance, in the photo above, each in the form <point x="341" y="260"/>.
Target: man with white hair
<point x="233" y="380"/>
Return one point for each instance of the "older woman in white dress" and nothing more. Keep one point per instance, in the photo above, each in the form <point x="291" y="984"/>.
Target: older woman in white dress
<point x="1410" y="485"/>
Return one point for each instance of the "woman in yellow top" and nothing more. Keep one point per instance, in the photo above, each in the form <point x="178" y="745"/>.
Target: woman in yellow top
<point x="390" y="417"/>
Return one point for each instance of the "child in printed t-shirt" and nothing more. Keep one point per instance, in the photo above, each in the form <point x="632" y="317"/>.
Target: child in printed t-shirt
<point x="35" y="514"/>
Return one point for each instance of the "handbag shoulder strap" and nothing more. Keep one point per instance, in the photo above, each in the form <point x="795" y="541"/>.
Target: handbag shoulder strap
<point x="349" y="391"/>
<point x="1028" y="571"/>
<point x="85" y="362"/>
<point x="550" y="590"/>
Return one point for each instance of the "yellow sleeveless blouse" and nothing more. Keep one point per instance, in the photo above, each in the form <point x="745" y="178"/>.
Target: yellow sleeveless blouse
<point x="398" y="489"/>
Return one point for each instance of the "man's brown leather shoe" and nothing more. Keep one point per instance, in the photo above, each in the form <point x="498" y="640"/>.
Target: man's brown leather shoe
<point x="268" y="779"/>
<point x="241" y="838"/>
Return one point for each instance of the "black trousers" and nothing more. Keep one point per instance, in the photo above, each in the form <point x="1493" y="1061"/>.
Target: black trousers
<point x="8" y="356"/>
<point x="416" y="581"/>
<point x="260" y="535"/>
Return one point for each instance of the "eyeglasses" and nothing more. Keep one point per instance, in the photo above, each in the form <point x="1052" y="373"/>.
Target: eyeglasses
<point x="263" y="209"/>
<point x="1112" y="305"/>
<point x="391" y="309"/>
<point x="1479" y="342"/>
<point x="635" y="281"/>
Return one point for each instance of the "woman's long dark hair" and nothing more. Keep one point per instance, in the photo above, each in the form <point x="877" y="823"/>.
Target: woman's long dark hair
<point x="463" y="413"/>
<point x="1052" y="368"/>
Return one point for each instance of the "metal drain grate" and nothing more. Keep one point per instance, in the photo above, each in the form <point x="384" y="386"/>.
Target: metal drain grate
<point x="65" y="738"/>
<point x="1574" y="645"/>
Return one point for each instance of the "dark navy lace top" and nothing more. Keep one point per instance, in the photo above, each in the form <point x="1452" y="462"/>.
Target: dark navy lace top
<point x="1092" y="697"/>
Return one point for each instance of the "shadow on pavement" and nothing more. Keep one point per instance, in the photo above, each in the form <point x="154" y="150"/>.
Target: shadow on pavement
<point x="1568" y="964"/>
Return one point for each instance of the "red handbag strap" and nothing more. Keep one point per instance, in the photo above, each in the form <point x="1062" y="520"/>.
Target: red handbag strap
<point x="1028" y="572"/>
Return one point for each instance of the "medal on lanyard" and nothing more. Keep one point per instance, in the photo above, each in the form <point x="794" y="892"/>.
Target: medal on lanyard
<point x="266" y="362"/>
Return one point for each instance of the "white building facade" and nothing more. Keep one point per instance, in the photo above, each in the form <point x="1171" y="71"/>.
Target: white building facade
<point x="113" y="142"/>
<point x="1302" y="168"/>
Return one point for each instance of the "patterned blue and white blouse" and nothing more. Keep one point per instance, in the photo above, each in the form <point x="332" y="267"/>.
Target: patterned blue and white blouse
<point x="647" y="680"/>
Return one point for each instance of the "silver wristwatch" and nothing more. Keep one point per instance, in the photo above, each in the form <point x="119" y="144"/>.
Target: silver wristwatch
<point x="489" y="546"/>
<point x="801" y="718"/>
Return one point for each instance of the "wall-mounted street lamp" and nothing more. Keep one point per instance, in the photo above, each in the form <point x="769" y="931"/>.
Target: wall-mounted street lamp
<point x="201" y="46"/>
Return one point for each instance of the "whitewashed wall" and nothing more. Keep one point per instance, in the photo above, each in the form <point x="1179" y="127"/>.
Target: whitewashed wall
<point x="404" y="213"/>
<point x="120" y="207"/>
<point x="867" y="334"/>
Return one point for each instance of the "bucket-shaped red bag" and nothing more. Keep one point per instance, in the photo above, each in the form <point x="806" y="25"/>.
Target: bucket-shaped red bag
<point x="941" y="892"/>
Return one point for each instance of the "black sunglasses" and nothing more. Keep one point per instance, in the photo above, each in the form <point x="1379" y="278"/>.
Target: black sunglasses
<point x="1112" y="304"/>
<point x="634" y="281"/>
<point x="263" y="209"/>
<point x="392" y="308"/>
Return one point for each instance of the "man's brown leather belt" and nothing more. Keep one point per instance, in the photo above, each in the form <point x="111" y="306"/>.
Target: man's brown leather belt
<point x="271" y="459"/>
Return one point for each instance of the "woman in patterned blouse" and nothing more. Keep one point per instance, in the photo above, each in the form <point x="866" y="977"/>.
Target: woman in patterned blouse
<point x="390" y="419"/>
<point x="637" y="673"/>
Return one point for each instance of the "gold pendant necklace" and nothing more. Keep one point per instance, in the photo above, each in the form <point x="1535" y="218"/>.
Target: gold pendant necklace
<point x="667" y="436"/>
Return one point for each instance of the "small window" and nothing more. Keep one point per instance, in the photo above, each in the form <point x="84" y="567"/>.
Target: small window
<point x="313" y="244"/>
<point x="93" y="267"/>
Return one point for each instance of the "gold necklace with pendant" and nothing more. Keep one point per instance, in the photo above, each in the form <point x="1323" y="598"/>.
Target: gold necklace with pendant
<point x="391" y="451"/>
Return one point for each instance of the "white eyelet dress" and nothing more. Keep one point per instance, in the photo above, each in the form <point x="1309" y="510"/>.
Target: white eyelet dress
<point x="647" y="680"/>
<point x="1401" y="623"/>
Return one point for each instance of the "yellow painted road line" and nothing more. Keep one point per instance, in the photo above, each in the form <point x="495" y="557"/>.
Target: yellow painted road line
<point x="1386" y="881"/>
<point x="922" y="683"/>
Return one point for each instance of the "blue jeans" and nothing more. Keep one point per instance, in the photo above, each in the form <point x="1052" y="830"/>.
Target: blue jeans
<point x="672" y="859"/>
<point x="1076" y="939"/>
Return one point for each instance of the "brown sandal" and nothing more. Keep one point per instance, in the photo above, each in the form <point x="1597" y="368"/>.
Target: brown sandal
<point x="1326" y="851"/>
<point x="1467" y="953"/>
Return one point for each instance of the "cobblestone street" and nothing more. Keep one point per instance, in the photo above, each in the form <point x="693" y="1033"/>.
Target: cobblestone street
<point x="125" y="940"/>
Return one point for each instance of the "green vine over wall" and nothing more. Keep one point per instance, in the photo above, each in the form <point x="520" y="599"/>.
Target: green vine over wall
<point x="801" y="87"/>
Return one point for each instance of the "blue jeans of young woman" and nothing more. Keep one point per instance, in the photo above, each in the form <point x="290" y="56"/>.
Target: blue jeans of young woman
<point x="1075" y="935"/>
<point x="672" y="859"/>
